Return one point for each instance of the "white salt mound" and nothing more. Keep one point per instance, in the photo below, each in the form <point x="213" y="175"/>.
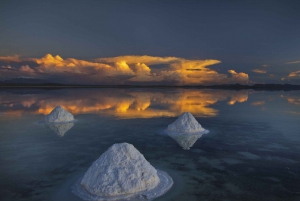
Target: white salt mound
<point x="59" y="115"/>
<point x="60" y="129"/>
<point x="122" y="172"/>
<point x="187" y="124"/>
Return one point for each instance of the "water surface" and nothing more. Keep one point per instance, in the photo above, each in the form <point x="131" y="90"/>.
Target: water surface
<point x="251" y="153"/>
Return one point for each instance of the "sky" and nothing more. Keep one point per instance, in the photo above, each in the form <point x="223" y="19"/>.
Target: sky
<point x="151" y="42"/>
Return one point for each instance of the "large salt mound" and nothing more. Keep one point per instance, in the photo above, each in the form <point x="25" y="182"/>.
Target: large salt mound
<point x="122" y="172"/>
<point x="59" y="115"/>
<point x="60" y="129"/>
<point x="186" y="124"/>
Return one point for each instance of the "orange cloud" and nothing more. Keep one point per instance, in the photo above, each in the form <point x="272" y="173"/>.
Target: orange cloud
<point x="294" y="74"/>
<point x="259" y="71"/>
<point x="132" y="68"/>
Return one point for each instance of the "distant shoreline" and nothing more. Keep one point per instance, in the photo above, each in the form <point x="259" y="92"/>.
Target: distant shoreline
<point x="268" y="87"/>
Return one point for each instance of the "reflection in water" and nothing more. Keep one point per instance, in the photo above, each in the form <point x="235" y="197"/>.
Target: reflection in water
<point x="60" y="128"/>
<point x="295" y="101"/>
<point x="184" y="140"/>
<point x="123" y="103"/>
<point x="292" y="98"/>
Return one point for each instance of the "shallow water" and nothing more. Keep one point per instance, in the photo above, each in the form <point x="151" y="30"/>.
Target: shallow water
<point x="251" y="153"/>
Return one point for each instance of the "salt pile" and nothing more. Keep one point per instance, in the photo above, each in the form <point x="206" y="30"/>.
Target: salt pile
<point x="186" y="141"/>
<point x="186" y="124"/>
<point x="122" y="172"/>
<point x="60" y="129"/>
<point x="59" y="115"/>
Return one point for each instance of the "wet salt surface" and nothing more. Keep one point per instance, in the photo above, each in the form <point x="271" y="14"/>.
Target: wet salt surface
<point x="248" y="155"/>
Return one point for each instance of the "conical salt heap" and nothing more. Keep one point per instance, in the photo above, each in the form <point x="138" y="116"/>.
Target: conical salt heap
<point x="185" y="124"/>
<point x="122" y="172"/>
<point x="59" y="115"/>
<point x="60" y="129"/>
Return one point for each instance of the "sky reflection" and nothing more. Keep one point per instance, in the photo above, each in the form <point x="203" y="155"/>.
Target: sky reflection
<point x="137" y="103"/>
<point x="122" y="103"/>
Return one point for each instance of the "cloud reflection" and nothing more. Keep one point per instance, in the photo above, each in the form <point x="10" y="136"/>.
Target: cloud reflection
<point x="123" y="103"/>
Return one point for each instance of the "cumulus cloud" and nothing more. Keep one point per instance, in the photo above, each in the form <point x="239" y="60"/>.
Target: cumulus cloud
<point x="259" y="71"/>
<point x="26" y="68"/>
<point x="132" y="69"/>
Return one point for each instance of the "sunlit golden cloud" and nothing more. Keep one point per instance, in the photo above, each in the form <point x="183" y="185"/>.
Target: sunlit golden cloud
<point x="131" y="69"/>
<point x="260" y="71"/>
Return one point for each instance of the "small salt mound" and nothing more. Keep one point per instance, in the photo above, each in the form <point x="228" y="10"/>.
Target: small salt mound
<point x="59" y="115"/>
<point x="122" y="172"/>
<point x="185" y="141"/>
<point x="60" y="129"/>
<point x="186" y="124"/>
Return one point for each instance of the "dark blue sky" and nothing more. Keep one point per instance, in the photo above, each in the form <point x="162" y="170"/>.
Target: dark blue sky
<point x="243" y="35"/>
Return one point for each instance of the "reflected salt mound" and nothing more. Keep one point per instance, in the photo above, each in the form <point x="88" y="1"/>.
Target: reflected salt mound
<point x="59" y="115"/>
<point x="60" y="128"/>
<point x="185" y="141"/>
<point x="186" y="130"/>
<point x="186" y="124"/>
<point x="122" y="173"/>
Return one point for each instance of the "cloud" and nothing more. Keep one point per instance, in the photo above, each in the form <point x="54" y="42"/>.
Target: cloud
<point x="9" y="59"/>
<point x="259" y="71"/>
<point x="238" y="77"/>
<point x="26" y="68"/>
<point x="292" y="75"/>
<point x="293" y="62"/>
<point x="131" y="69"/>
<point x="8" y="67"/>
<point x="258" y="103"/>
